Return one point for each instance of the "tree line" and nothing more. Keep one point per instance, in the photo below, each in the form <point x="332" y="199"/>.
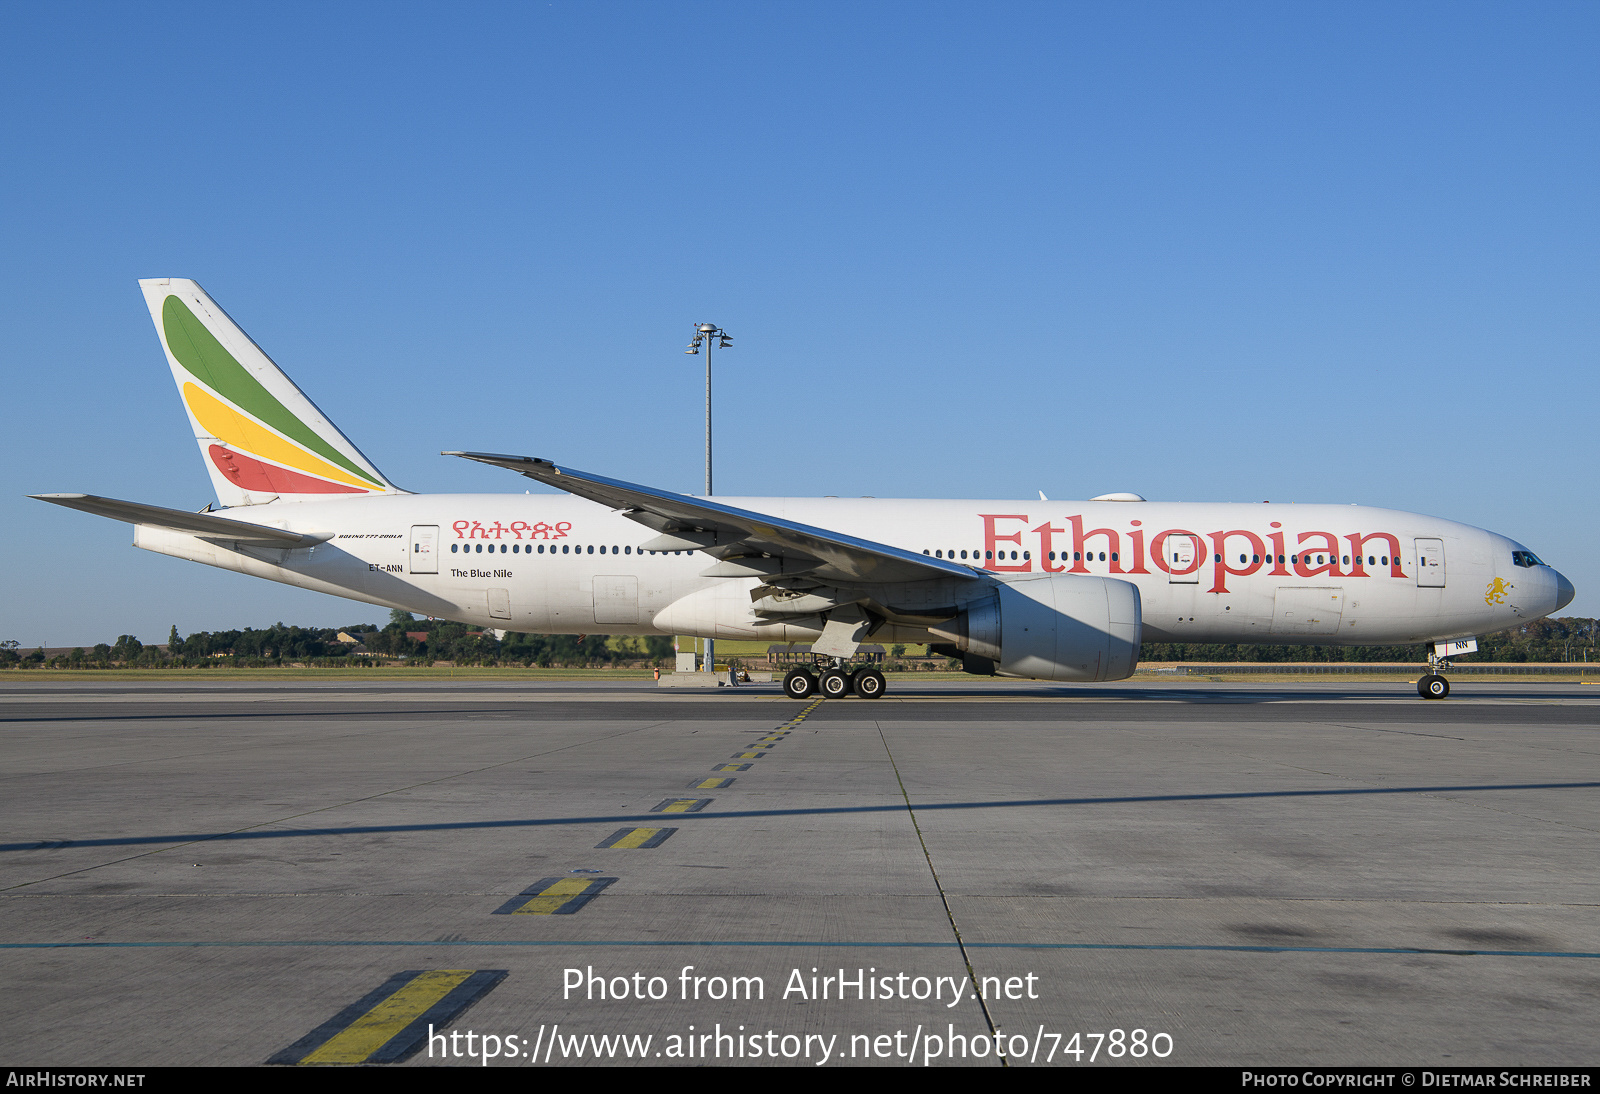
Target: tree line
<point x="415" y="641"/>
<point x="1568" y="639"/>
<point x="1543" y="640"/>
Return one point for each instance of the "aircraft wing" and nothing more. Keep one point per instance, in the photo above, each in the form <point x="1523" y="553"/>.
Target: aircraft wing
<point x="200" y="524"/>
<point x="737" y="536"/>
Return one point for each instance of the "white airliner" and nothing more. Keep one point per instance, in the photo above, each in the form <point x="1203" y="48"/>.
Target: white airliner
<point x="1044" y="590"/>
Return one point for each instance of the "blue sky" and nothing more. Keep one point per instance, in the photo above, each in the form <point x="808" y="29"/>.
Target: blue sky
<point x="1206" y="251"/>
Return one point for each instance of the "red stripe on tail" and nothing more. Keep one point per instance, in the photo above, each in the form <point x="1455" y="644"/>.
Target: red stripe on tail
<point x="249" y="474"/>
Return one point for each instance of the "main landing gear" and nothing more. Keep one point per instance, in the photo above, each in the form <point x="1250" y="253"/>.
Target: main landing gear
<point x="1434" y="685"/>
<point x="836" y="682"/>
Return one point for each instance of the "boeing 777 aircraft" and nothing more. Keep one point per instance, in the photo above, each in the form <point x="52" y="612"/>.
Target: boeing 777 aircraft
<point x="1036" y="589"/>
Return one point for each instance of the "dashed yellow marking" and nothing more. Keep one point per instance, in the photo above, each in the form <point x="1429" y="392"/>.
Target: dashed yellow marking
<point x="389" y="1024"/>
<point x="733" y="767"/>
<point x="748" y="755"/>
<point x="554" y="896"/>
<point x="373" y="1029"/>
<point x="711" y="784"/>
<point x="631" y="839"/>
<point x="682" y="805"/>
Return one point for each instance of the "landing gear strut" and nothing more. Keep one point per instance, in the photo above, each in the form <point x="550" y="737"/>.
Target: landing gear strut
<point x="1433" y="685"/>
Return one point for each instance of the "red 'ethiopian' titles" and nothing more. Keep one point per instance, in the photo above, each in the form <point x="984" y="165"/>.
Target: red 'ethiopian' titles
<point x="1313" y="553"/>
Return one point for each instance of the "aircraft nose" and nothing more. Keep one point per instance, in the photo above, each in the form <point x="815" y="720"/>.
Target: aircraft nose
<point x="1564" y="591"/>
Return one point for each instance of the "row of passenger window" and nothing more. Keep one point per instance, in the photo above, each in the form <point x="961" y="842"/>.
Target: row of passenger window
<point x="1321" y="560"/>
<point x="539" y="548"/>
<point x="979" y="555"/>
<point x="1527" y="558"/>
<point x="1080" y="556"/>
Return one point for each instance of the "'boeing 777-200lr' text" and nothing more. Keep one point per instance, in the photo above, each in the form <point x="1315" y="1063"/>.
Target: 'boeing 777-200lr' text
<point x="1035" y="589"/>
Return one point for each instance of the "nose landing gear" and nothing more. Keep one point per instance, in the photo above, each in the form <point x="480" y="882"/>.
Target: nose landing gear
<point x="1434" y="685"/>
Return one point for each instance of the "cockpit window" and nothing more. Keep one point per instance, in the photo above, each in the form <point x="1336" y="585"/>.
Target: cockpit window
<point x="1525" y="558"/>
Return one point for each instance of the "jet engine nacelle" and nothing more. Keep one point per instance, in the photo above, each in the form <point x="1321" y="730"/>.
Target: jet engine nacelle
<point x="1052" y="627"/>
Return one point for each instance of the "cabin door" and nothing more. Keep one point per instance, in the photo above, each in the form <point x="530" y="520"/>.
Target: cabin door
<point x="424" y="549"/>
<point x="1184" y="553"/>
<point x="1430" y="563"/>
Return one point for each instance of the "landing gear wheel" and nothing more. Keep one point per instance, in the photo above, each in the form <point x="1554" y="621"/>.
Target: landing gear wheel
<point x="870" y="684"/>
<point x="1433" y="687"/>
<point x="835" y="684"/>
<point x="799" y="684"/>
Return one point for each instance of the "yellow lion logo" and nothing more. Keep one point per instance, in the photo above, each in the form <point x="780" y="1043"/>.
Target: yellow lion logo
<point x="1496" y="593"/>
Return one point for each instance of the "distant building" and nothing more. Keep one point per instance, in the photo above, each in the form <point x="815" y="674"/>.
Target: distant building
<point x="801" y="655"/>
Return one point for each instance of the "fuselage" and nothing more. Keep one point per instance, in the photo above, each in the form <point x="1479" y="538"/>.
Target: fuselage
<point x="1222" y="572"/>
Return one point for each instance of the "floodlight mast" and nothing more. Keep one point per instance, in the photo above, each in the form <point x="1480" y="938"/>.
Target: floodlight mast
<point x="709" y="334"/>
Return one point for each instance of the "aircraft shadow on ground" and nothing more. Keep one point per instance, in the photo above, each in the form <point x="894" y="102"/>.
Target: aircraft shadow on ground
<point x="620" y="818"/>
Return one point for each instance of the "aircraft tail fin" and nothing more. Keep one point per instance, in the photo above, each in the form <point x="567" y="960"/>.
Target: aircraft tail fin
<point x="261" y="438"/>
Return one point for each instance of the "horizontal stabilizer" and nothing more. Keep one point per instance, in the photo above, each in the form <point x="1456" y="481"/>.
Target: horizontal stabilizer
<point x="200" y="524"/>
